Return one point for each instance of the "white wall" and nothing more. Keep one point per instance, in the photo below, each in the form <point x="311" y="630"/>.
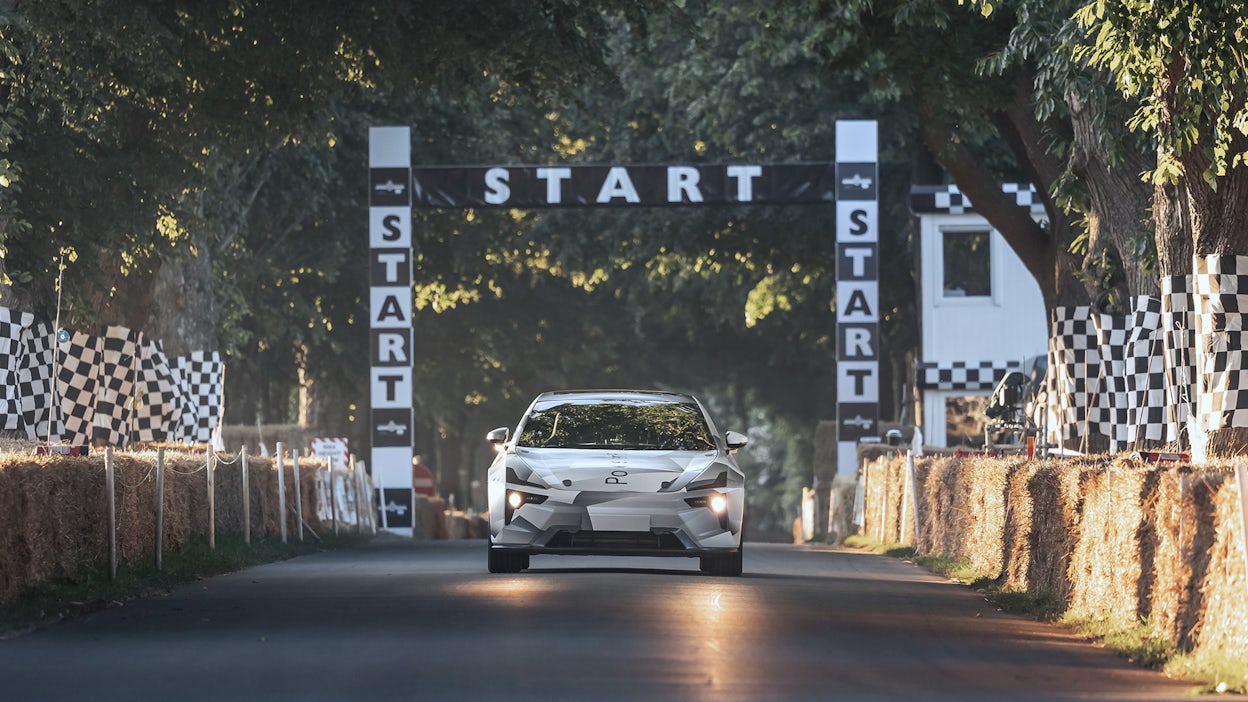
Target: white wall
<point x="1009" y="326"/>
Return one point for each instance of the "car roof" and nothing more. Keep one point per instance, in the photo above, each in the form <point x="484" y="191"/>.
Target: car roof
<point x="616" y="395"/>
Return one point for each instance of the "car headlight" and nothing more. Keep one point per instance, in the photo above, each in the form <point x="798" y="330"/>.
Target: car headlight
<point x="515" y="500"/>
<point x="716" y="502"/>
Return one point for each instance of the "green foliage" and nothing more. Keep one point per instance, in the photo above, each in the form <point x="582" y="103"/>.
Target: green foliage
<point x="1183" y="60"/>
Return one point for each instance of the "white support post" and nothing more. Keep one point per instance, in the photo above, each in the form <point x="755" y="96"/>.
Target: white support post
<point x="333" y="493"/>
<point x="109" y="483"/>
<point x="298" y="494"/>
<point x="355" y="491"/>
<point x="281" y="492"/>
<point x="914" y="490"/>
<point x="160" y="508"/>
<point x="1241" y="480"/>
<point x="212" y="499"/>
<point x="246" y="497"/>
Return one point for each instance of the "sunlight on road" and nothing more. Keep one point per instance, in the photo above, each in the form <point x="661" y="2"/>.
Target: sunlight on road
<point x="717" y="618"/>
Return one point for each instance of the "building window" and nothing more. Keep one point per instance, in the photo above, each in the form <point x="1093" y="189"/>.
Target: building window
<point x="965" y="421"/>
<point x="968" y="263"/>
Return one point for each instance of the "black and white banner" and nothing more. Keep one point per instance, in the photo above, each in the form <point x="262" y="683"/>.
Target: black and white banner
<point x="857" y="289"/>
<point x="621" y="186"/>
<point x="390" y="322"/>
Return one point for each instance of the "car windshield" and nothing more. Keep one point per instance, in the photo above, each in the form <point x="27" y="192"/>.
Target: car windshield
<point x="647" y="425"/>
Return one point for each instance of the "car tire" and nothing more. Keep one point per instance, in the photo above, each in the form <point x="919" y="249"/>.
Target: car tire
<point x="501" y="561"/>
<point x="729" y="565"/>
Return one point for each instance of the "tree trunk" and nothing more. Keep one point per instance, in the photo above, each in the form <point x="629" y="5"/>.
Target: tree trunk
<point x="183" y="312"/>
<point x="1119" y="201"/>
<point x="1219" y="218"/>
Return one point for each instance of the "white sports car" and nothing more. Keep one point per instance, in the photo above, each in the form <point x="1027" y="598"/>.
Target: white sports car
<point x="616" y="472"/>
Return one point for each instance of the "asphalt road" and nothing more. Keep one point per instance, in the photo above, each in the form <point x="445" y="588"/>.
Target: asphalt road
<point x="401" y="620"/>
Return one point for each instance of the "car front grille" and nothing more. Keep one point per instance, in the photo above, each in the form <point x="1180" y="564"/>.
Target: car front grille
<point x="611" y="541"/>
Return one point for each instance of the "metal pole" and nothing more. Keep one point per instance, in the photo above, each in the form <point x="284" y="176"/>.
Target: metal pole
<point x="298" y="495"/>
<point x="281" y="492"/>
<point x="212" y="500"/>
<point x="246" y="497"/>
<point x="109" y="482"/>
<point x="160" y="508"/>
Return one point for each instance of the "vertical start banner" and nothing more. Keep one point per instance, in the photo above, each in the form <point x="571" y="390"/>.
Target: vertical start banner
<point x="390" y="323"/>
<point x="857" y="289"/>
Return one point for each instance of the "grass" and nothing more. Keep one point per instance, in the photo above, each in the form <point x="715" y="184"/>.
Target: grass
<point x="1138" y="642"/>
<point x="91" y="590"/>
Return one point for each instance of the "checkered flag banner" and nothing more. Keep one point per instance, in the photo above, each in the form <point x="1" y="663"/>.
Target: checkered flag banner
<point x="1178" y="321"/>
<point x="77" y="378"/>
<point x="1146" y="374"/>
<point x="1074" y="365"/>
<point x="158" y="410"/>
<point x="1110" y="398"/>
<point x="115" y="387"/>
<point x="948" y="199"/>
<point x="963" y="375"/>
<point x="1221" y="301"/>
<point x="201" y="377"/>
<point x="12" y="324"/>
<point x="34" y="383"/>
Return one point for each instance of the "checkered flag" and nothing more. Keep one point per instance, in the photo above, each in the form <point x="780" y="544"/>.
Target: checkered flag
<point x="201" y="376"/>
<point x="12" y="323"/>
<point x="76" y="381"/>
<point x="1221" y="302"/>
<point x="34" y="383"/>
<point x="115" y="389"/>
<point x="1111" y="408"/>
<point x="1074" y="364"/>
<point x="1178" y="322"/>
<point x="158" y="412"/>
<point x="1146" y="374"/>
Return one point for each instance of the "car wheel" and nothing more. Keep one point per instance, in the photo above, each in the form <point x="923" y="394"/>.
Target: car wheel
<point x="500" y="561"/>
<point x="729" y="565"/>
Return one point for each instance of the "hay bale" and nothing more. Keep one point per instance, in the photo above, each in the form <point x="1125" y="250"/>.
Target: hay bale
<point x="1105" y="567"/>
<point x="1225" y="588"/>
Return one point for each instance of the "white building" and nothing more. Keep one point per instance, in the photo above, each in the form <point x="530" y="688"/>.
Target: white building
<point x="981" y="312"/>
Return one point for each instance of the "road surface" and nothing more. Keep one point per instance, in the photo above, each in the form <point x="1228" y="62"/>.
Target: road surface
<point x="402" y="620"/>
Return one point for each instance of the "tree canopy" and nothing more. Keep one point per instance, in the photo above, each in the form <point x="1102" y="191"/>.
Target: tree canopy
<point x="196" y="169"/>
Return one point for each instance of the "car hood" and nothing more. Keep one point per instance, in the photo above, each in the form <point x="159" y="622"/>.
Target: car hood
<point x="610" y="471"/>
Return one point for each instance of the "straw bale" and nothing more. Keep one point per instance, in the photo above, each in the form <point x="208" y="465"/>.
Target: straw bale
<point x="1170" y="567"/>
<point x="985" y="481"/>
<point x="1225" y="587"/>
<point x="54" y="509"/>
<point x="1016" y="533"/>
<point x="1057" y="508"/>
<point x="936" y="513"/>
<point x="1105" y="568"/>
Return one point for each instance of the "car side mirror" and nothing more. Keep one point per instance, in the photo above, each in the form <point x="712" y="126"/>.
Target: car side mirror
<point x="736" y="440"/>
<point x="498" y="436"/>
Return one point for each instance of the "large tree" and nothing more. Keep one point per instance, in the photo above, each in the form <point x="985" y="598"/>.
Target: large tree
<point x="1186" y="61"/>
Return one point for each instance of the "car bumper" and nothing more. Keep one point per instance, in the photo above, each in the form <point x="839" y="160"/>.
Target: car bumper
<point x="651" y="524"/>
